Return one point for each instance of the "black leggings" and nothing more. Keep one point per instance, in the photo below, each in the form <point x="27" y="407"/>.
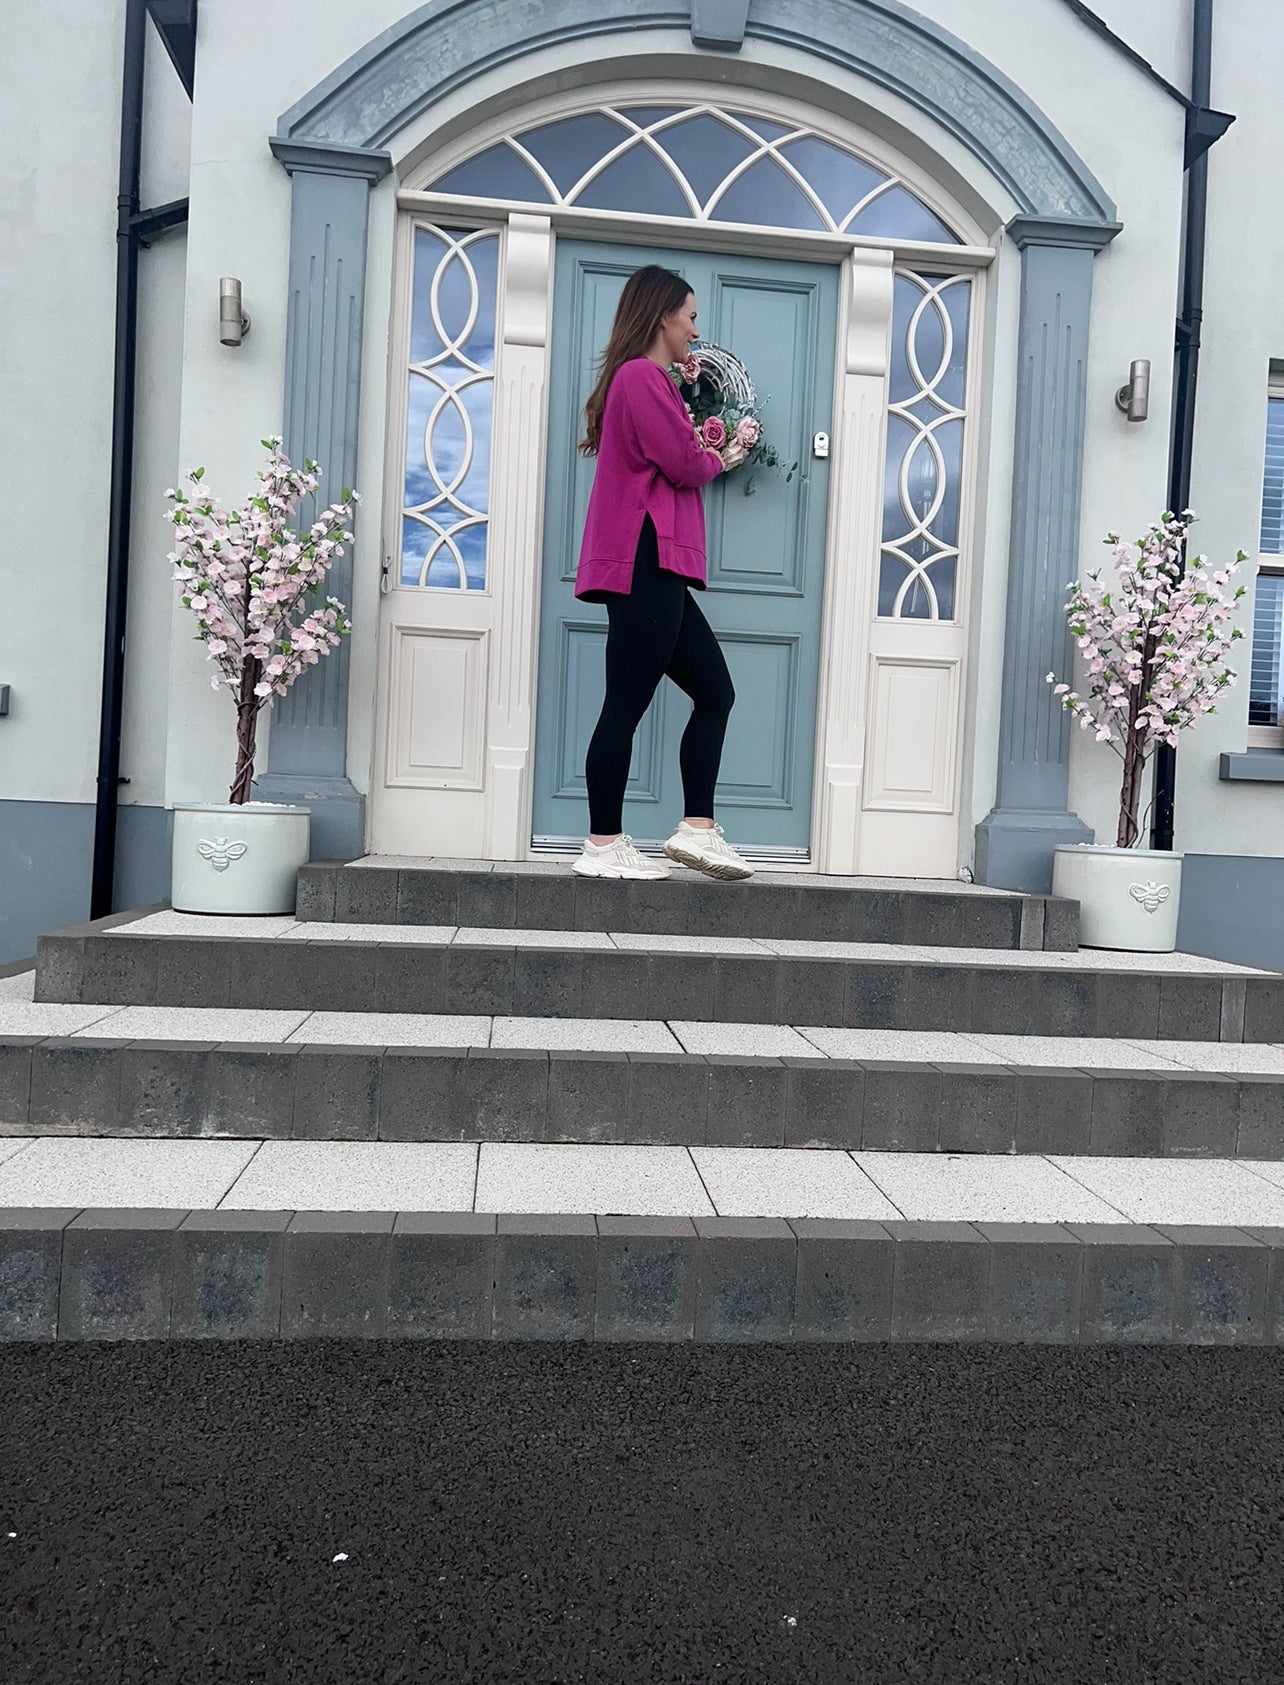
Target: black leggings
<point x="657" y="629"/>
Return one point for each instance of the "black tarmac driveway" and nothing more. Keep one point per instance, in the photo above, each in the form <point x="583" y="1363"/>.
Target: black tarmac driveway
<point x="176" y="1514"/>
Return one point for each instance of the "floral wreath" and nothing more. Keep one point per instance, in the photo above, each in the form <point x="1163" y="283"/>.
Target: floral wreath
<point x="724" y="407"/>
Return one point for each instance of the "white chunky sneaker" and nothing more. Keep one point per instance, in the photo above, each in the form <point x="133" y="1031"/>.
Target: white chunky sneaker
<point x="706" y="851"/>
<point x="617" y="860"/>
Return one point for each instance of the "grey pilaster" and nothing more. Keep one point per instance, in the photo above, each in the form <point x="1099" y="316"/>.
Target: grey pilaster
<point x="1031" y="816"/>
<point x="307" y="751"/>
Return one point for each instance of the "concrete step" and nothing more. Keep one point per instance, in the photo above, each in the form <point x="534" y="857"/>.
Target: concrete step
<point x="544" y="895"/>
<point x="982" y="1096"/>
<point x="607" y="975"/>
<point x="1060" y="1251"/>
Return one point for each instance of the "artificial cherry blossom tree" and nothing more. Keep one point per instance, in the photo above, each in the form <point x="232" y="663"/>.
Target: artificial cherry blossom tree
<point x="1155" y="649"/>
<point x="252" y="581"/>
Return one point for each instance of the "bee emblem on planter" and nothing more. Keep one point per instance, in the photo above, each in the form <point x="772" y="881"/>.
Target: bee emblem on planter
<point x="1151" y="896"/>
<point x="220" y="853"/>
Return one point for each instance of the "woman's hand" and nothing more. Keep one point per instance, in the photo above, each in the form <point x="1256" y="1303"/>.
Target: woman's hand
<point x="733" y="454"/>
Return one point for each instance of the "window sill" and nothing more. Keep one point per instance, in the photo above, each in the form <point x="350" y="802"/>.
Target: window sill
<point x="1254" y="766"/>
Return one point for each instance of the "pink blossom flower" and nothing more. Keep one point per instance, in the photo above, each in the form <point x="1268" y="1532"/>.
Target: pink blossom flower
<point x="689" y="369"/>
<point x="714" y="432"/>
<point x="748" y="431"/>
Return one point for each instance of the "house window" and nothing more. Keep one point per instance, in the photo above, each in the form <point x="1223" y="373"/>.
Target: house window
<point x="445" y="514"/>
<point x="705" y="163"/>
<point x="1266" y="673"/>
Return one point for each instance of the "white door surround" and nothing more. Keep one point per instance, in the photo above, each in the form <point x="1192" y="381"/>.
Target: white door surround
<point x="457" y="666"/>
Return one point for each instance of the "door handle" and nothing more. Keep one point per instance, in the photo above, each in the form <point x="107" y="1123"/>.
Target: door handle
<point x="820" y="445"/>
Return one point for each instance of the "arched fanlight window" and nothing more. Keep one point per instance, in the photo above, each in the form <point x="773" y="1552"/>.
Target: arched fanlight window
<point x="704" y="163"/>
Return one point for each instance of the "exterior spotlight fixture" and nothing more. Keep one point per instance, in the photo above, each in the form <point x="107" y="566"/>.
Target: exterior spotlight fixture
<point x="233" y="323"/>
<point x="1134" y="399"/>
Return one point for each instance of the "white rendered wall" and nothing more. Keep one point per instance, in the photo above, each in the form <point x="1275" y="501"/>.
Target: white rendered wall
<point x="57" y="285"/>
<point x="1243" y="330"/>
<point x="167" y="122"/>
<point x="57" y="293"/>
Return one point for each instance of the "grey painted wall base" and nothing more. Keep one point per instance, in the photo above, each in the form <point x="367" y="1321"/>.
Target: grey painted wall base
<point x="144" y="858"/>
<point x="46" y="853"/>
<point x="1014" y="849"/>
<point x="338" y="811"/>
<point x="46" y="858"/>
<point x="1232" y="908"/>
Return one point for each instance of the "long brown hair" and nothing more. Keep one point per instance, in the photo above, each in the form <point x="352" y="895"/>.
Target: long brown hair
<point x="649" y="296"/>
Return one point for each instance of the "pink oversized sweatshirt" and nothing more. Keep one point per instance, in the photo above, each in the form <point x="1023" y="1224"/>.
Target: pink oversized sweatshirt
<point x="649" y="463"/>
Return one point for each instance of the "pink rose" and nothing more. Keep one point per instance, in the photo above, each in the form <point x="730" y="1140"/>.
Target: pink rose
<point x="748" y="432"/>
<point x="689" y="369"/>
<point x="714" y="432"/>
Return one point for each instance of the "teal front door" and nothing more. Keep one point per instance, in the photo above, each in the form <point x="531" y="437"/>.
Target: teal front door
<point x="766" y="549"/>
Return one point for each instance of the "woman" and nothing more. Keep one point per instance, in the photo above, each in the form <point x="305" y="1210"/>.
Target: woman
<point x="643" y="554"/>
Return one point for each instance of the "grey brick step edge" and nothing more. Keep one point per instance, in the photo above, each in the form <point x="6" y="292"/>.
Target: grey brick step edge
<point x="292" y="1091"/>
<point x="88" y="965"/>
<point x="133" y="1275"/>
<point x="542" y="898"/>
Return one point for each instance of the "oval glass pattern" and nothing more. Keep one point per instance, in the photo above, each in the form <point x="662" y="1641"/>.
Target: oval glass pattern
<point x="445" y="510"/>
<point x="923" y="467"/>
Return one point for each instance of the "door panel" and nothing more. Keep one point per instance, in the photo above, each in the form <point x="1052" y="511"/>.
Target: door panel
<point x="766" y="545"/>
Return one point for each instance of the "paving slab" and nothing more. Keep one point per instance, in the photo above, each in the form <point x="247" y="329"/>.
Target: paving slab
<point x="39" y="1018"/>
<point x="435" y="935"/>
<point x="902" y="1046"/>
<point x="764" y="1041"/>
<point x="1091" y="1051"/>
<point x="635" y="942"/>
<point x="585" y="1035"/>
<point x="621" y="1181"/>
<point x="789" y="1182"/>
<point x="1092" y="959"/>
<point x="356" y="1176"/>
<point x="799" y="949"/>
<point x="170" y="923"/>
<point x="1181" y="1191"/>
<point x="394" y="1029"/>
<point x="1268" y="1169"/>
<point x="982" y="1188"/>
<point x="476" y="936"/>
<point x="169" y="1175"/>
<point x="201" y="1023"/>
<point x="1229" y="1058"/>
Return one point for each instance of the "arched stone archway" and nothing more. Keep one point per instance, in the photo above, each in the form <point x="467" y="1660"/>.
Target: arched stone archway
<point x="333" y="143"/>
<point x="445" y="44"/>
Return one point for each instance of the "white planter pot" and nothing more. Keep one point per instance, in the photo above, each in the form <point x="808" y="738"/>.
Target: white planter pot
<point x="1128" y="897"/>
<point x="238" y="859"/>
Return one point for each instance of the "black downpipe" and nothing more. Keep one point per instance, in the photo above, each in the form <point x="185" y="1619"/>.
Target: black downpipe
<point x="1187" y="373"/>
<point x="122" y="460"/>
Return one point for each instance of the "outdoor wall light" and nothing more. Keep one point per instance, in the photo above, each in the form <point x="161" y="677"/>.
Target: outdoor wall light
<point x="233" y="323"/>
<point x="1134" y="399"/>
